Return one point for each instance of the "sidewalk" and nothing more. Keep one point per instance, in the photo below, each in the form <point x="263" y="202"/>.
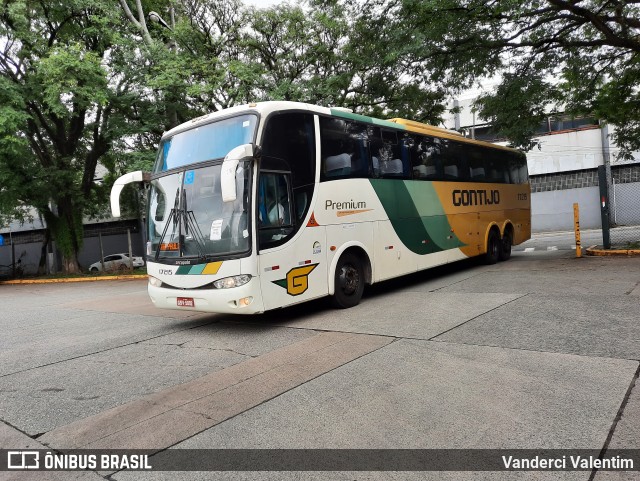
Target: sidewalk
<point x="73" y="279"/>
<point x="599" y="251"/>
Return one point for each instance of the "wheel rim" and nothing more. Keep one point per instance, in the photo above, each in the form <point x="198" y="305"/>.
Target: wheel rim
<point x="349" y="279"/>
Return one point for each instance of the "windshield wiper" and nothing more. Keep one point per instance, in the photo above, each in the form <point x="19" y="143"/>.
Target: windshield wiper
<point x="190" y="223"/>
<point x="179" y="216"/>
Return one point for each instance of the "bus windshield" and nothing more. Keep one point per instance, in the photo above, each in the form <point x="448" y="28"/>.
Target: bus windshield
<point x="187" y="217"/>
<point x="206" y="142"/>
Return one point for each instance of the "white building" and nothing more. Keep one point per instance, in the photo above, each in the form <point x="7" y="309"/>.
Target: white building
<point x="563" y="169"/>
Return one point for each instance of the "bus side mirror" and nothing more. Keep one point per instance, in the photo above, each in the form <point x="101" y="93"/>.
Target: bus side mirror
<point x="228" y="171"/>
<point x="118" y="185"/>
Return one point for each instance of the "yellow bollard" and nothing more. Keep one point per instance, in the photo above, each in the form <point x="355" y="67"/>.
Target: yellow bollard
<point x="576" y="225"/>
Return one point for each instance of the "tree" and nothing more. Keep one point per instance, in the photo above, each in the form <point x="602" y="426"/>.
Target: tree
<point x="330" y="55"/>
<point x="65" y="93"/>
<point x="224" y="54"/>
<point x="582" y="57"/>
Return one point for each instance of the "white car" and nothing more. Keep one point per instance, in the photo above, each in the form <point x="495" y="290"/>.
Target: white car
<point x="116" y="261"/>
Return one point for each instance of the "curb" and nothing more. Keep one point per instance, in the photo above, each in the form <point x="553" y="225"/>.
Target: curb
<point x="73" y="279"/>
<point x="594" y="251"/>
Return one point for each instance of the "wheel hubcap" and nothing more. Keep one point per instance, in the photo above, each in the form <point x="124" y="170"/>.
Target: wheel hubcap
<point x="349" y="279"/>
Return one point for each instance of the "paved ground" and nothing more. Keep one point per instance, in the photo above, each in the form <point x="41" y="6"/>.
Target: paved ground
<point x="553" y="241"/>
<point x="538" y="352"/>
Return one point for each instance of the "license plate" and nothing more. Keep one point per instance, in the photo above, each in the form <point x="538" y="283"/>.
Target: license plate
<point x="186" y="302"/>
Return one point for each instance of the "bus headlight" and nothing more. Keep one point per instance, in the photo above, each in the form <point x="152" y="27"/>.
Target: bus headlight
<point x="155" y="282"/>
<point x="233" y="281"/>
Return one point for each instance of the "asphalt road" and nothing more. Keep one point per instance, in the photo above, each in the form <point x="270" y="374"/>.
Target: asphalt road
<point x="539" y="352"/>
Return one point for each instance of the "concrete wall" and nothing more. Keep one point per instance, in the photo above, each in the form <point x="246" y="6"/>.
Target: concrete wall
<point x="112" y="244"/>
<point x="567" y="151"/>
<point x="553" y="210"/>
<point x="29" y="253"/>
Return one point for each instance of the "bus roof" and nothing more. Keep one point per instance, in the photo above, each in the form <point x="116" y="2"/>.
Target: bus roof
<point x="266" y="108"/>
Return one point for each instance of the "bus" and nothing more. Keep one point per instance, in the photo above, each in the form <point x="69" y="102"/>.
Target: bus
<point x="270" y="204"/>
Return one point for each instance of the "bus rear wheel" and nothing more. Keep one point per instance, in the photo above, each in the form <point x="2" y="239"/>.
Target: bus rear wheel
<point x="349" y="281"/>
<point x="505" y="246"/>
<point x="494" y="247"/>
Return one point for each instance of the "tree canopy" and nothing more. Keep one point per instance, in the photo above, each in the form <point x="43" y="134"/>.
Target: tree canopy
<point x="581" y="57"/>
<point x="59" y="116"/>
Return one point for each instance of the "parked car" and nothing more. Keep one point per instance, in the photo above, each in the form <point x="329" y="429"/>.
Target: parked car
<point x="116" y="261"/>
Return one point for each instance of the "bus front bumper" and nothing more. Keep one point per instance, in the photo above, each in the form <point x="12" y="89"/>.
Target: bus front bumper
<point x="246" y="299"/>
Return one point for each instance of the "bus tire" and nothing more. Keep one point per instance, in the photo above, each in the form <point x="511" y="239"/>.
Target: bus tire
<point x="348" y="281"/>
<point x="505" y="246"/>
<point x="493" y="248"/>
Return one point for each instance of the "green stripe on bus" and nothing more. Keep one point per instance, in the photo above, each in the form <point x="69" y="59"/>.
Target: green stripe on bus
<point x="416" y="215"/>
<point x="191" y="270"/>
<point x="364" y="118"/>
<point x="386" y="123"/>
<point x="197" y="269"/>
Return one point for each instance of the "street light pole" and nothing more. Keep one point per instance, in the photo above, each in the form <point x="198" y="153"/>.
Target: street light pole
<point x="155" y="17"/>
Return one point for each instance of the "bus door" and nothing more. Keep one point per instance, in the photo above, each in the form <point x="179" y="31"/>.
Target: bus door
<point x="292" y="256"/>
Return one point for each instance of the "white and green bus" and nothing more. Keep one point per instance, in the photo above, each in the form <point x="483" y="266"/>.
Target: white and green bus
<point x="271" y="204"/>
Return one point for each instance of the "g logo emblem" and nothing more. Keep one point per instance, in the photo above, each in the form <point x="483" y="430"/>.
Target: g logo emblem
<point x="297" y="280"/>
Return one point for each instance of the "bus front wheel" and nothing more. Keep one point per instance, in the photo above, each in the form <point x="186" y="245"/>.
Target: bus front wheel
<point x="349" y="281"/>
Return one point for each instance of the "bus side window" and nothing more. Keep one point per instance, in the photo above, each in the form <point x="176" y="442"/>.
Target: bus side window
<point x="391" y="156"/>
<point x="478" y="162"/>
<point x="274" y="205"/>
<point x="523" y="168"/>
<point x="334" y="149"/>
<point x="450" y="160"/>
<point x="344" y="148"/>
<point x="517" y="167"/>
<point x="496" y="164"/>
<point x="359" y="140"/>
<point x="426" y="159"/>
<point x="275" y="219"/>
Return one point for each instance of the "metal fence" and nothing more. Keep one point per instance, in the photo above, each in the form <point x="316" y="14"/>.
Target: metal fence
<point x="20" y="252"/>
<point x="624" y="206"/>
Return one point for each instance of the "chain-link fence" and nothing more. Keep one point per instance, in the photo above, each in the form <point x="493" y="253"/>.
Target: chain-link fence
<point x="624" y="206"/>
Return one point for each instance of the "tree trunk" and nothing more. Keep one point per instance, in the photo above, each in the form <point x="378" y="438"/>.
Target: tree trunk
<point x="42" y="265"/>
<point x="67" y="230"/>
<point x="70" y="265"/>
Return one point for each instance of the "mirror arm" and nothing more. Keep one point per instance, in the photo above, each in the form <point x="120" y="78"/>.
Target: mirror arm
<point x="118" y="185"/>
<point x="228" y="170"/>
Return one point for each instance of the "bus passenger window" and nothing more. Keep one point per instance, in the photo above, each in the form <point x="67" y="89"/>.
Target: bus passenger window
<point x="477" y="163"/>
<point x="425" y="158"/>
<point x="344" y="148"/>
<point x="389" y="157"/>
<point x="495" y="170"/>
<point x="450" y="162"/>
